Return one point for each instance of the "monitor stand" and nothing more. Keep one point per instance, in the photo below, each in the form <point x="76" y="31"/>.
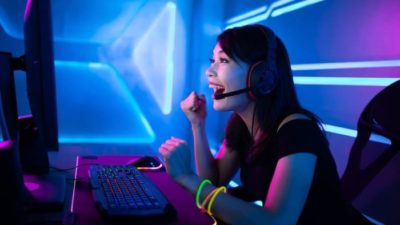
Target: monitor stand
<point x="45" y="192"/>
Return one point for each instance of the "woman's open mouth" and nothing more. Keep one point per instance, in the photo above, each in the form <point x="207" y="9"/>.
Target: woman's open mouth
<point x="218" y="89"/>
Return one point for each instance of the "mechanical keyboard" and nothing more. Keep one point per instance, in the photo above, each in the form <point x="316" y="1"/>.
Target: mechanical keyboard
<point x="124" y="192"/>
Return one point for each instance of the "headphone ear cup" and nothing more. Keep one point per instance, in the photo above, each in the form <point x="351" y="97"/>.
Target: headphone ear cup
<point x="261" y="79"/>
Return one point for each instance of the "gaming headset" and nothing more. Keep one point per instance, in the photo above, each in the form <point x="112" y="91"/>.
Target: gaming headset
<point x="262" y="76"/>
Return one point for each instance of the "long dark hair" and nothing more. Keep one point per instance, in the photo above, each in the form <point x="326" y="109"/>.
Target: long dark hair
<point x="249" y="44"/>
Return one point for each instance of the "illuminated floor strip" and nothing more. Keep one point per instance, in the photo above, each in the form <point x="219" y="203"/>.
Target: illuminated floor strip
<point x="351" y="81"/>
<point x="347" y="65"/>
<point x="353" y="133"/>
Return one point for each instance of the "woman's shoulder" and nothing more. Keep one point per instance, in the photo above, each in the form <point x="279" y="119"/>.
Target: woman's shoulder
<point x="300" y="133"/>
<point x="294" y="117"/>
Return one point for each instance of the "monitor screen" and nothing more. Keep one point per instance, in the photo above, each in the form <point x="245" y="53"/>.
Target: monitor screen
<point x="39" y="131"/>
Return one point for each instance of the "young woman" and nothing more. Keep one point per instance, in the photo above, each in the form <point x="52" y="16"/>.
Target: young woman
<point x="282" y="154"/>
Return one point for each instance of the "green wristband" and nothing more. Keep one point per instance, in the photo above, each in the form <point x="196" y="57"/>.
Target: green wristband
<point x="198" y="193"/>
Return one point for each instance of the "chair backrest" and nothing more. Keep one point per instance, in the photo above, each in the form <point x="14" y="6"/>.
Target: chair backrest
<point x="381" y="116"/>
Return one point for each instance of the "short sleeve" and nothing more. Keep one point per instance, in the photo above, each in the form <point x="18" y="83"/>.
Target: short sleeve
<point x="300" y="135"/>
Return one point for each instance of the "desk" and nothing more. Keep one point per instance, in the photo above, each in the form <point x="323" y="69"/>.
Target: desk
<point x="86" y="213"/>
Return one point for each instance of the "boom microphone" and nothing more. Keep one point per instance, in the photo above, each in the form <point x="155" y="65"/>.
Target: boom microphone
<point x="232" y="93"/>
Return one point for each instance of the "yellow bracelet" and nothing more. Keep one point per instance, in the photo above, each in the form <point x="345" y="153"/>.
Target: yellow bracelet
<point x="213" y="199"/>
<point x="207" y="199"/>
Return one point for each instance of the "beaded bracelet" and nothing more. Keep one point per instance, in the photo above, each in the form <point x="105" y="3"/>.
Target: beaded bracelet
<point x="200" y="189"/>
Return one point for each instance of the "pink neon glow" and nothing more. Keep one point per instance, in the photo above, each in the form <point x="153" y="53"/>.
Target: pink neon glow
<point x="275" y="192"/>
<point x="6" y="144"/>
<point x="31" y="186"/>
<point x="27" y="9"/>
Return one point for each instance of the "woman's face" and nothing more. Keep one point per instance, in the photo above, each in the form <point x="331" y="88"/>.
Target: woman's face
<point x="226" y="75"/>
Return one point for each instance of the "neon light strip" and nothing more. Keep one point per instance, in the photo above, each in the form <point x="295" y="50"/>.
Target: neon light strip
<point x="294" y="7"/>
<point x="351" y="81"/>
<point x="97" y="139"/>
<point x="260" y="17"/>
<point x="75" y="180"/>
<point x="376" y="222"/>
<point x="167" y="108"/>
<point x="347" y="65"/>
<point x="27" y="9"/>
<point x="247" y="14"/>
<point x="248" y="21"/>
<point x="353" y="133"/>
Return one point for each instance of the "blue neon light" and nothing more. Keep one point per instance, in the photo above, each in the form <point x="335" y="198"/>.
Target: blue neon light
<point x="233" y="184"/>
<point x="353" y="133"/>
<point x="96" y="106"/>
<point x="154" y="57"/>
<point x="347" y="65"/>
<point x="10" y="26"/>
<point x="294" y="7"/>
<point x="257" y="18"/>
<point x="264" y="12"/>
<point x="109" y="140"/>
<point x="171" y="7"/>
<point x="351" y="81"/>
<point x="247" y="14"/>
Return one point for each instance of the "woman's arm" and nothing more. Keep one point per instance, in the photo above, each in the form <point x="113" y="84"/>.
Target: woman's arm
<point x="286" y="197"/>
<point x="205" y="164"/>
<point x="220" y="169"/>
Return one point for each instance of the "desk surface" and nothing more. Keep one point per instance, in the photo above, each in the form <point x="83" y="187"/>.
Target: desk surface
<point x="86" y="213"/>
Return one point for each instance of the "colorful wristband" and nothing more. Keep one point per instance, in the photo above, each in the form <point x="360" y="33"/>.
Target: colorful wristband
<point x="206" y="200"/>
<point x="199" y="189"/>
<point x="214" y="196"/>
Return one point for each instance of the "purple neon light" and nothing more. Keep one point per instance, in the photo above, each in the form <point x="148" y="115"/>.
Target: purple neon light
<point x="6" y="144"/>
<point x="32" y="186"/>
<point x="27" y="9"/>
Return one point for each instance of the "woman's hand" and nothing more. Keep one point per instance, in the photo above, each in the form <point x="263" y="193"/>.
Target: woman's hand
<point x="194" y="106"/>
<point x="177" y="158"/>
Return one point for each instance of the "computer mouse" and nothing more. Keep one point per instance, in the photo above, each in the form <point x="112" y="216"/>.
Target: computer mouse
<point x="147" y="162"/>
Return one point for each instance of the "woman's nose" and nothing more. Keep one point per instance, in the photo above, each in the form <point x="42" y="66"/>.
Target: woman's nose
<point x="210" y="72"/>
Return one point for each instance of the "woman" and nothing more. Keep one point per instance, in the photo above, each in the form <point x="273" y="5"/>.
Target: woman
<point x="282" y="154"/>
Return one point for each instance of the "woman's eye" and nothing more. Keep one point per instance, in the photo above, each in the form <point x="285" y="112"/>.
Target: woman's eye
<point x="220" y="60"/>
<point x="224" y="60"/>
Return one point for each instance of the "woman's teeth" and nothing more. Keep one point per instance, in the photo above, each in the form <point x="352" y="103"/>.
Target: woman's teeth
<point x="217" y="88"/>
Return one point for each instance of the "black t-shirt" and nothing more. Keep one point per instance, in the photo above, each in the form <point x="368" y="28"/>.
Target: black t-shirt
<point x="324" y="204"/>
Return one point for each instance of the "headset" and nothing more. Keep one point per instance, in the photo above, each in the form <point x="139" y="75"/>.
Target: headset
<point x="262" y="76"/>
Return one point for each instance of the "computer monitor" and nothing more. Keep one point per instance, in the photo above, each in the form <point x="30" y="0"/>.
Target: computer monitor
<point x="40" y="81"/>
<point x="38" y="132"/>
